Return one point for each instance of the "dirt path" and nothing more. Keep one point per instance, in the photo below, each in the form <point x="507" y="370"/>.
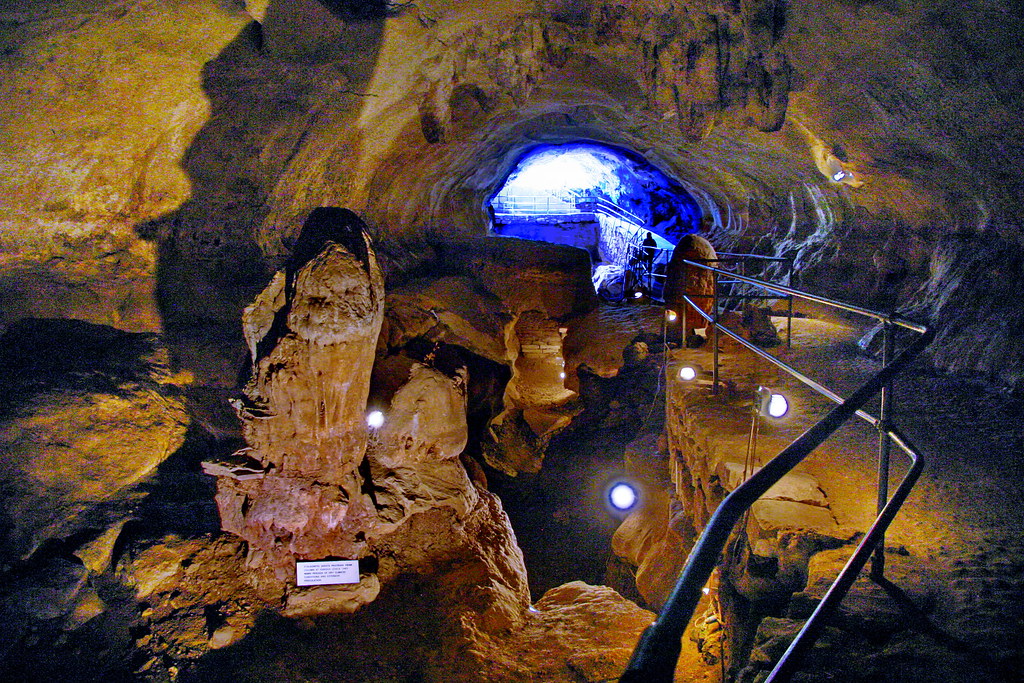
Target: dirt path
<point x="964" y="519"/>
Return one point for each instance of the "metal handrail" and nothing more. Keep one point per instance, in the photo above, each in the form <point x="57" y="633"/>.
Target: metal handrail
<point x="602" y="205"/>
<point x="564" y="203"/>
<point x="655" y="656"/>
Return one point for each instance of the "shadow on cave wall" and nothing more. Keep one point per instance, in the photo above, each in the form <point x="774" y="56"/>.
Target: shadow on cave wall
<point x="262" y="110"/>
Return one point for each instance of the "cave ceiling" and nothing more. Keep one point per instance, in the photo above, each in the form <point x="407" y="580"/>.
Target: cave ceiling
<point x="144" y="140"/>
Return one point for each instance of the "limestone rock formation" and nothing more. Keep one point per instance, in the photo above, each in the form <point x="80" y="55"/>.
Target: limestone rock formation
<point x="312" y="334"/>
<point x="453" y="309"/>
<point x="87" y="414"/>
<point x="650" y="541"/>
<point x="574" y="632"/>
<point x="414" y="457"/>
<point x="690" y="281"/>
<point x="414" y="115"/>
<point x="526" y="275"/>
<point x="395" y="495"/>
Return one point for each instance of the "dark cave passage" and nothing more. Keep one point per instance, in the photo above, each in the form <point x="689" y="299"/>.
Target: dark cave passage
<point x="561" y="515"/>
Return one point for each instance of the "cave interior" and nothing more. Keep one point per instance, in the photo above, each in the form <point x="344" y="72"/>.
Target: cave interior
<point x="332" y="350"/>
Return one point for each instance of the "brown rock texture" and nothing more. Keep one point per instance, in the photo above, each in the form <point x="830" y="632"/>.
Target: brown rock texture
<point x="394" y="495"/>
<point x="687" y="280"/>
<point x="574" y="632"/>
<point x="88" y="413"/>
<point x="169" y="153"/>
<point x="650" y="541"/>
<point x="312" y="335"/>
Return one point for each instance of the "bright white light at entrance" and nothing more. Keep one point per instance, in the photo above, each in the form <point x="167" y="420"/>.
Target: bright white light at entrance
<point x="556" y="170"/>
<point x="375" y="419"/>
<point x="622" y="497"/>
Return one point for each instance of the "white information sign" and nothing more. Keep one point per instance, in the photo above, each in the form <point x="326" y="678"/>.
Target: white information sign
<point x="326" y="572"/>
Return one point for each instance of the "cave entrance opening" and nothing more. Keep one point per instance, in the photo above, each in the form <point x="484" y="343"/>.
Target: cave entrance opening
<point x="599" y="198"/>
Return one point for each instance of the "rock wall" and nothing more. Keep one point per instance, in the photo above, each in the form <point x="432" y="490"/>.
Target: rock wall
<point x="88" y="413"/>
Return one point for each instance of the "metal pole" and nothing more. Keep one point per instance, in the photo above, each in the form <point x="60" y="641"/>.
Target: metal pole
<point x="789" y="320"/>
<point x="682" y="299"/>
<point x="888" y="341"/>
<point x="714" y="280"/>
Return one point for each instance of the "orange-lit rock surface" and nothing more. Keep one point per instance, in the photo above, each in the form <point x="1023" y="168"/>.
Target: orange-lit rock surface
<point x="88" y="414"/>
<point x="150" y="153"/>
<point x="158" y="161"/>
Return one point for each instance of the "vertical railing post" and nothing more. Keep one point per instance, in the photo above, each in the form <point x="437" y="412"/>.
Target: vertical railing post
<point x="888" y="342"/>
<point x="714" y="314"/>
<point x="789" y="319"/>
<point x="685" y="293"/>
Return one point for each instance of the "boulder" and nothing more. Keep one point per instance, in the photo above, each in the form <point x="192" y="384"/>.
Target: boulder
<point x="87" y="413"/>
<point x="694" y="282"/>
<point x="453" y="309"/>
<point x="575" y="632"/>
<point x="650" y="540"/>
<point x="526" y="275"/>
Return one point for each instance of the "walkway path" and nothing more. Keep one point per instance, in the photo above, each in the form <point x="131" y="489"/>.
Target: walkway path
<point x="964" y="522"/>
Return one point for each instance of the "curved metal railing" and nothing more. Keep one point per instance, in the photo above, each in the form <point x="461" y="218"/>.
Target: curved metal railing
<point x="658" y="649"/>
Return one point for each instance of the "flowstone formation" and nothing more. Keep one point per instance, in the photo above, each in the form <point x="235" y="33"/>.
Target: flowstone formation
<point x="316" y="483"/>
<point x="312" y="333"/>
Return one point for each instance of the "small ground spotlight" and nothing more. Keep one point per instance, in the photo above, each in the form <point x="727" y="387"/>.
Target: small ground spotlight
<point x="622" y="496"/>
<point x="690" y="372"/>
<point x="771" y="404"/>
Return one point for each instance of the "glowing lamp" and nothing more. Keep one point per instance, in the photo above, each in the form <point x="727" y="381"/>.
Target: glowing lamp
<point x="671" y="316"/>
<point x="375" y="419"/>
<point x="638" y="294"/>
<point x="622" y="496"/>
<point x="562" y="374"/>
<point x="770" y="404"/>
<point x="690" y="372"/>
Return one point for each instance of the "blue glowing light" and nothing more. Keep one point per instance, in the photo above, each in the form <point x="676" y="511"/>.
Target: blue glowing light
<point x="551" y="179"/>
